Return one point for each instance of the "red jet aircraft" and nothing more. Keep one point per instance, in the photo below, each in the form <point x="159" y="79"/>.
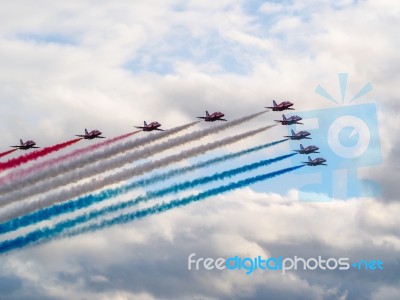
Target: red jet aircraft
<point x="25" y="146"/>
<point x="91" y="135"/>
<point x="319" y="161"/>
<point x="285" y="105"/>
<point x="217" y="116"/>
<point x="290" y="121"/>
<point x="150" y="127"/>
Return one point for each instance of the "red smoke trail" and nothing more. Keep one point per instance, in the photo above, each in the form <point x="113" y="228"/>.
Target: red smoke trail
<point x="7" y="152"/>
<point x="12" y="163"/>
<point x="45" y="164"/>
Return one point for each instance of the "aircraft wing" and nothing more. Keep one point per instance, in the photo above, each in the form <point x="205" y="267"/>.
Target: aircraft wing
<point x="202" y="118"/>
<point x="222" y="120"/>
<point x="80" y="135"/>
<point x="140" y="127"/>
<point x="158" y="129"/>
<point x="16" y="147"/>
<point x="101" y="137"/>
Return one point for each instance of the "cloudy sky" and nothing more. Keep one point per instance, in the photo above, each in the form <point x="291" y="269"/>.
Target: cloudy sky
<point x="67" y="66"/>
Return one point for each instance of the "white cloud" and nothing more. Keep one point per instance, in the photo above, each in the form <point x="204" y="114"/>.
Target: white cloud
<point x="271" y="7"/>
<point x="67" y="66"/>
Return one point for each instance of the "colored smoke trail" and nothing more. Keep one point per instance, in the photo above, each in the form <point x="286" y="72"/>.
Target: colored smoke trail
<point x="117" y="162"/>
<point x="81" y="161"/>
<point x="12" y="163"/>
<point x="49" y="233"/>
<point x="16" y="178"/>
<point x="85" y="201"/>
<point x="90" y="158"/>
<point x="23" y="208"/>
<point x="35" y="183"/>
<point x="7" y="152"/>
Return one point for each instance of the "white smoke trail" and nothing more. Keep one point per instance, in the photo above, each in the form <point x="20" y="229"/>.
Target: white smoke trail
<point x="22" y="208"/>
<point x="55" y="167"/>
<point x="106" y="165"/>
<point x="17" y="174"/>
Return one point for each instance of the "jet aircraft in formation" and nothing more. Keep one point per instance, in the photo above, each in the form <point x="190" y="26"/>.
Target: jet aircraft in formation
<point x="150" y="127"/>
<point x="217" y="116"/>
<point x="94" y="134"/>
<point x="25" y="146"/>
<point x="290" y="121"/>
<point x="299" y="135"/>
<point x="315" y="162"/>
<point x="287" y="105"/>
<point x="307" y="150"/>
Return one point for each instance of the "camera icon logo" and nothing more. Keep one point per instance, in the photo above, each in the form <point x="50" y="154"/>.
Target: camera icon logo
<point x="348" y="138"/>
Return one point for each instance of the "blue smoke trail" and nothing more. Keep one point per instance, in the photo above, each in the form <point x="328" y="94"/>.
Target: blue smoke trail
<point x="49" y="233"/>
<point x="85" y="201"/>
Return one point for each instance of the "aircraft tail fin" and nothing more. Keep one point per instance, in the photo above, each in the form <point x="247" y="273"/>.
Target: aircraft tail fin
<point x="86" y="132"/>
<point x="309" y="158"/>
<point x="283" y="118"/>
<point x="207" y="114"/>
<point x="301" y="147"/>
<point x="21" y="142"/>
<point x="274" y="102"/>
<point x="145" y="123"/>
<point x="293" y="132"/>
